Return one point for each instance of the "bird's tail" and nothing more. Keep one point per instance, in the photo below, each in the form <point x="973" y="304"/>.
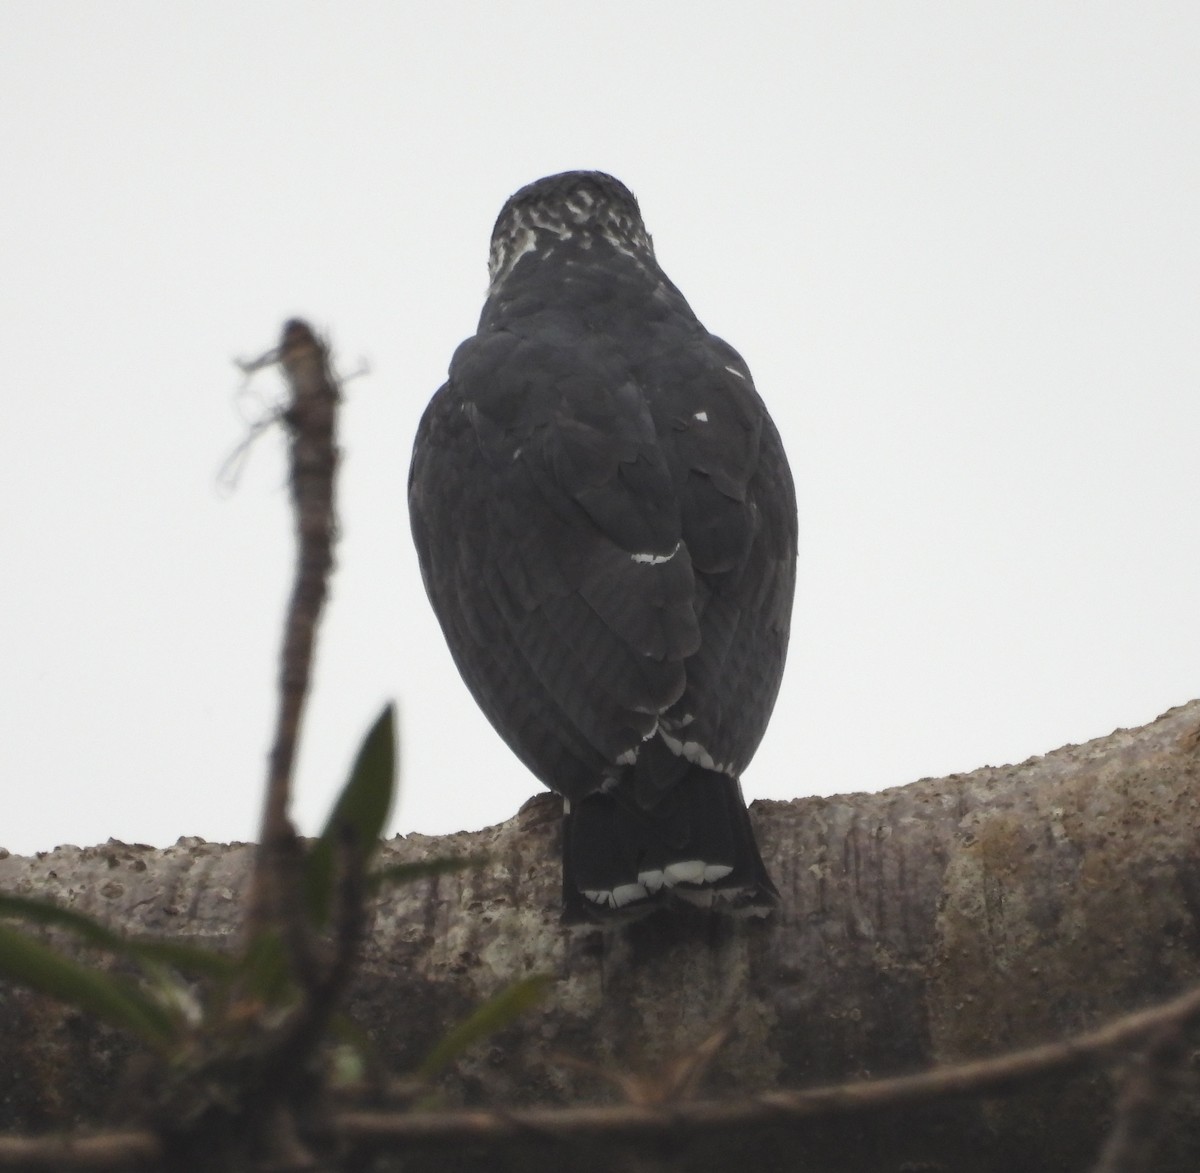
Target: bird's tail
<point x="695" y="845"/>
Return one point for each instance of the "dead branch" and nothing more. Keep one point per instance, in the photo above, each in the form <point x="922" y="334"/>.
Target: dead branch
<point x="405" y="1131"/>
<point x="701" y="1117"/>
<point x="311" y="421"/>
<point x="1145" y="1096"/>
<point x="109" y="1150"/>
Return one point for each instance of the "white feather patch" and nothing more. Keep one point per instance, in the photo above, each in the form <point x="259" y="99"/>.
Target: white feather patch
<point x="624" y="894"/>
<point x="693" y="751"/>
<point x="688" y="871"/>
<point x="651" y="880"/>
<point x="656" y="559"/>
<point x="618" y="897"/>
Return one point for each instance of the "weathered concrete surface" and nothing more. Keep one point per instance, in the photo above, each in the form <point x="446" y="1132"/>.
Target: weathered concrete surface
<point x="946" y="919"/>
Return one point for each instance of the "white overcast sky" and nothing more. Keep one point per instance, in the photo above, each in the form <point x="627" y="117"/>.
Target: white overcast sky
<point x="958" y="244"/>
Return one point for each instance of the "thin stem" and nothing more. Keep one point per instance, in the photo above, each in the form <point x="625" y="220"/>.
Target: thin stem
<point x="311" y="420"/>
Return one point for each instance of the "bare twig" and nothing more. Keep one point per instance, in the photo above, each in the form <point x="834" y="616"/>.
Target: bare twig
<point x="1145" y="1096"/>
<point x="311" y="419"/>
<point x="631" y="1122"/>
<point x="108" y="1150"/>
<point x="671" y="1081"/>
<point x="230" y="471"/>
<point x="266" y="416"/>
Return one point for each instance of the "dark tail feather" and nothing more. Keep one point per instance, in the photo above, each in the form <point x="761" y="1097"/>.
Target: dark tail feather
<point x="695" y="845"/>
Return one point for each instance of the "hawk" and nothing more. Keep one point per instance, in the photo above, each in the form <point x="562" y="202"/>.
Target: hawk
<point x="606" y="526"/>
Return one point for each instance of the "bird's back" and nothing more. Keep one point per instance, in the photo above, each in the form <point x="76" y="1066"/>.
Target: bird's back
<point x="606" y="526"/>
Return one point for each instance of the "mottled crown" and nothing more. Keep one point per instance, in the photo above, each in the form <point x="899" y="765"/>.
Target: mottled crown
<point x="582" y="205"/>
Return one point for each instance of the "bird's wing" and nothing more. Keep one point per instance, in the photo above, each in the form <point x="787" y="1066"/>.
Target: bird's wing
<point x="547" y="521"/>
<point x="738" y="517"/>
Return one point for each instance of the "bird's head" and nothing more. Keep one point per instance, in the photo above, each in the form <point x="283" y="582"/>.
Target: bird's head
<point x="585" y="207"/>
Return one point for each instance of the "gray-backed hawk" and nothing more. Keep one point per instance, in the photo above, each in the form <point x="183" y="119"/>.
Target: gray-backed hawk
<point x="606" y="527"/>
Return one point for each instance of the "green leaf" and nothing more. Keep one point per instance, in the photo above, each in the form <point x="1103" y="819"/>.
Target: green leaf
<point x="117" y="1002"/>
<point x="493" y="1015"/>
<point x="186" y="958"/>
<point x="366" y="800"/>
<point x="266" y="970"/>
<point x="358" y="817"/>
<point x="407" y="873"/>
<point x="42" y="912"/>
